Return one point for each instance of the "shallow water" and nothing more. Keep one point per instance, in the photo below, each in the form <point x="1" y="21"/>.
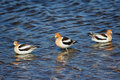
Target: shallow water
<point x="36" y="21"/>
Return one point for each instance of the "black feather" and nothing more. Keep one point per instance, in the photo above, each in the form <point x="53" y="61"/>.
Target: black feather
<point x="67" y="43"/>
<point x="26" y="49"/>
<point x="103" y="35"/>
<point x="65" y="38"/>
<point x="90" y="33"/>
<point x="99" y="38"/>
<point x="22" y="45"/>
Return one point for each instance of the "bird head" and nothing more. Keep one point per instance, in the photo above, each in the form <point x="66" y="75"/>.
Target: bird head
<point x="57" y="35"/>
<point x="109" y="31"/>
<point x="15" y="43"/>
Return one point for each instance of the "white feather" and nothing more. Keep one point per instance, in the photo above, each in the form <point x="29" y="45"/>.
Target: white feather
<point x="63" y="45"/>
<point x="24" y="47"/>
<point x="69" y="40"/>
<point x="100" y="36"/>
<point x="24" y="52"/>
<point x="94" y="39"/>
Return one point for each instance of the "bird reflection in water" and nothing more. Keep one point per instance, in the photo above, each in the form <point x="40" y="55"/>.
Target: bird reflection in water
<point x="105" y="46"/>
<point x="63" y="58"/>
<point x="23" y="57"/>
<point x="64" y="55"/>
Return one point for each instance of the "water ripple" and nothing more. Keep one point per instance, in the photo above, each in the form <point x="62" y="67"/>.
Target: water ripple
<point x="36" y="21"/>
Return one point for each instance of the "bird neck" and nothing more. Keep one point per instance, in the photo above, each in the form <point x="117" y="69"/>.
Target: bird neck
<point x="59" y="37"/>
<point x="109" y="36"/>
<point x="16" y="45"/>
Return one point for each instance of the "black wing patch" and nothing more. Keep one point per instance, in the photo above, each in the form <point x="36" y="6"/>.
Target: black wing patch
<point x="69" y="42"/>
<point x="103" y="35"/>
<point x="22" y="45"/>
<point x="26" y="49"/>
<point x="99" y="38"/>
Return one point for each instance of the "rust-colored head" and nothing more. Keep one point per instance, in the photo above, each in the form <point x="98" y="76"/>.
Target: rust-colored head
<point x="15" y="43"/>
<point x="57" y="35"/>
<point x="109" y="31"/>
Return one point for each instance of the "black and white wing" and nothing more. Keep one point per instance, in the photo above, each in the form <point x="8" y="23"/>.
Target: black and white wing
<point x="101" y="36"/>
<point x="67" y="41"/>
<point x="25" y="47"/>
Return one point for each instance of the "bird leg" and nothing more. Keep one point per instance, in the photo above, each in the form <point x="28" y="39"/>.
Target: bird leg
<point x="66" y="49"/>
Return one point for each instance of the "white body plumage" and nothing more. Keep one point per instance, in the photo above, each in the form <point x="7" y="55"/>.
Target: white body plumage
<point x="23" y="48"/>
<point x="63" y="42"/>
<point x="101" y="37"/>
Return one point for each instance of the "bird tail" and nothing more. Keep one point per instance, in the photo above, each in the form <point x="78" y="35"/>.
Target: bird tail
<point x="91" y="34"/>
<point x="34" y="47"/>
<point x="75" y="42"/>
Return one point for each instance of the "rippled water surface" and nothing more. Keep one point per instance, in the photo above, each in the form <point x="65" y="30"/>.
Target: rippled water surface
<point x="36" y="21"/>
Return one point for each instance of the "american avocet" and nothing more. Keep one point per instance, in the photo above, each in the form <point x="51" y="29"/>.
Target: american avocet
<point x="23" y="48"/>
<point x="101" y="37"/>
<point x="63" y="42"/>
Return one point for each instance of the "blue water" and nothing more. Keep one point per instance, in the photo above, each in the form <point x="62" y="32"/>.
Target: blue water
<point x="35" y="22"/>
